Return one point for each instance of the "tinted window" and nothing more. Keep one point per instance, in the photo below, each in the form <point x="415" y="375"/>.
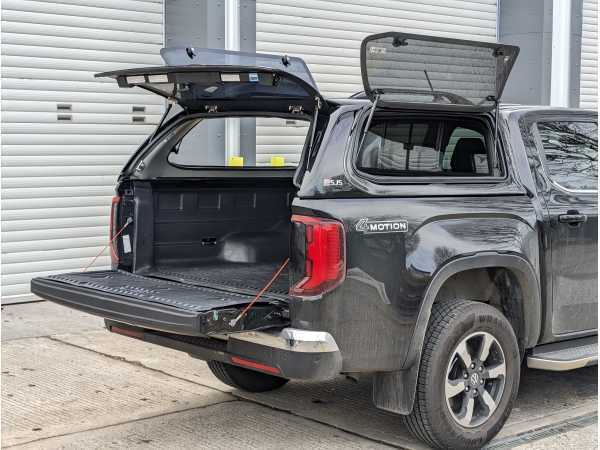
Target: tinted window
<point x="421" y="148"/>
<point x="264" y="141"/>
<point x="571" y="150"/>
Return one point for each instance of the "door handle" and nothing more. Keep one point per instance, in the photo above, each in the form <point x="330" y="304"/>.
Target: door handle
<point x="572" y="218"/>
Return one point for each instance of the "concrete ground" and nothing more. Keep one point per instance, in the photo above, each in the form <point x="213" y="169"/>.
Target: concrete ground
<point x="67" y="383"/>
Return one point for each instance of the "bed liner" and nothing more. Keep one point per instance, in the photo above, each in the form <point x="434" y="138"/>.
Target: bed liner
<point x="245" y="278"/>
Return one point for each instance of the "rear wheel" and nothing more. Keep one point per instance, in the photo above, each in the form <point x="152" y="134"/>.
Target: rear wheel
<point x="468" y="378"/>
<point x="245" y="379"/>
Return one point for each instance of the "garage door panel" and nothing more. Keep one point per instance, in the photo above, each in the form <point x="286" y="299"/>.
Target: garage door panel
<point x="45" y="30"/>
<point x="50" y="161"/>
<point x="77" y="43"/>
<point x="149" y="6"/>
<point x="588" y="93"/>
<point x="127" y="97"/>
<point x="92" y="67"/>
<point x="53" y="223"/>
<point x="80" y="22"/>
<point x="61" y="264"/>
<point x="79" y="10"/>
<point x="81" y="54"/>
<point x="57" y="233"/>
<point x="78" y="128"/>
<point x="65" y="150"/>
<point x="483" y="10"/>
<point x="370" y="14"/>
<point x="80" y="118"/>
<point x="54" y="192"/>
<point x="66" y="135"/>
<point x="94" y="108"/>
<point x="55" y="181"/>
<point x="56" y="202"/>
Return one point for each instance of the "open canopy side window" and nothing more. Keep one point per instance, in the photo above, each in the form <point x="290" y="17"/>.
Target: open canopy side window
<point x="202" y="80"/>
<point x="426" y="72"/>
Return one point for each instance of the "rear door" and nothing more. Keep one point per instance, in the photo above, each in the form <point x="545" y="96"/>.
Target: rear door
<point x="219" y="81"/>
<point x="569" y="148"/>
<point x="413" y="71"/>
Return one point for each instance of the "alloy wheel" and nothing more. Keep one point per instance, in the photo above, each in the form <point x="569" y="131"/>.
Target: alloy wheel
<point x="475" y="379"/>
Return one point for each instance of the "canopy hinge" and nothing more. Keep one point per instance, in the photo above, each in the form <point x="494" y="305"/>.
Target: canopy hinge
<point x="296" y="109"/>
<point x="211" y="109"/>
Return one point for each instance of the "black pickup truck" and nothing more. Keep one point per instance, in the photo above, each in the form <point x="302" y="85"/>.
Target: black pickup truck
<point x="422" y="234"/>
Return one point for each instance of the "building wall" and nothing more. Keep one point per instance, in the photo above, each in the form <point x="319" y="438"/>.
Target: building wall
<point x="65" y="134"/>
<point x="327" y="34"/>
<point x="589" y="55"/>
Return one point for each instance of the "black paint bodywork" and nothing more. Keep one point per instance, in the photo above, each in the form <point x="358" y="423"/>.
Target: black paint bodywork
<point x="379" y="314"/>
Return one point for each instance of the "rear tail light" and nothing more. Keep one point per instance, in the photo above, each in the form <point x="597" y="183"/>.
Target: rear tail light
<point x="325" y="262"/>
<point x="114" y="255"/>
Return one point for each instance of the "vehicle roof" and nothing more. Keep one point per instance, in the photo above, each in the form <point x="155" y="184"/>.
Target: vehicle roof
<point x="520" y="110"/>
<point x="359" y="98"/>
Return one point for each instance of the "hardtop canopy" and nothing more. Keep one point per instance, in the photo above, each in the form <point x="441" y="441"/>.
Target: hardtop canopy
<point x="220" y="81"/>
<point x="428" y="72"/>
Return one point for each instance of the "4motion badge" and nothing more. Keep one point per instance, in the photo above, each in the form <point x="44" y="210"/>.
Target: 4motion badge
<point x="368" y="226"/>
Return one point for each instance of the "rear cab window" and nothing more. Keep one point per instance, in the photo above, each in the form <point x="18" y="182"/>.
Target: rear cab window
<point x="416" y="147"/>
<point x="263" y="142"/>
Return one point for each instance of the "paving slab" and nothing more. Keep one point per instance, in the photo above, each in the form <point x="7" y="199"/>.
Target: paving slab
<point x="44" y="319"/>
<point x="348" y="405"/>
<point x="169" y="361"/>
<point x="579" y="439"/>
<point x="576" y="432"/>
<point x="544" y="397"/>
<point x="51" y="388"/>
<point x="233" y="425"/>
<point x="152" y="385"/>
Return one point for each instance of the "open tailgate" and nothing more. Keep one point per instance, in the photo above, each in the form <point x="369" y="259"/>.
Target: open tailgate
<point x="160" y="304"/>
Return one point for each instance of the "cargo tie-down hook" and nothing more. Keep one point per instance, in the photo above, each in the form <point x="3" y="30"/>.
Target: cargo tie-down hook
<point x="233" y="322"/>
<point x="127" y="222"/>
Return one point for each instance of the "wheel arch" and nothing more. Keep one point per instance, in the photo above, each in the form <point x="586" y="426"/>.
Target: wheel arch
<point x="531" y="307"/>
<point x="395" y="391"/>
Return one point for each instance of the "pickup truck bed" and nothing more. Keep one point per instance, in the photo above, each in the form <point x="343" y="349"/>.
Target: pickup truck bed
<point x="247" y="278"/>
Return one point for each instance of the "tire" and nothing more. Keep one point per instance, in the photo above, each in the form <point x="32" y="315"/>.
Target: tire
<point x="245" y="379"/>
<point x="440" y="415"/>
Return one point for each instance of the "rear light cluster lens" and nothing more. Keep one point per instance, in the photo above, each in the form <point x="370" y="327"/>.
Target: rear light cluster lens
<point x="114" y="256"/>
<point x="325" y="262"/>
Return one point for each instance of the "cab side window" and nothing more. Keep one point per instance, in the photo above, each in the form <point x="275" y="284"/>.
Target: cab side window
<point x="404" y="147"/>
<point x="571" y="153"/>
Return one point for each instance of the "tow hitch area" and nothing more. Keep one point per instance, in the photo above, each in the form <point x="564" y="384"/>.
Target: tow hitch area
<point x="288" y="353"/>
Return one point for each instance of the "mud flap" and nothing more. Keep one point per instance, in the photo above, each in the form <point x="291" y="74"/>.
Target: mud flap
<point x="395" y="391"/>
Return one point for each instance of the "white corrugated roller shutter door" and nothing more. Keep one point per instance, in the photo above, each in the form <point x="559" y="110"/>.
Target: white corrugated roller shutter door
<point x="589" y="56"/>
<point x="66" y="135"/>
<point x="327" y="34"/>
